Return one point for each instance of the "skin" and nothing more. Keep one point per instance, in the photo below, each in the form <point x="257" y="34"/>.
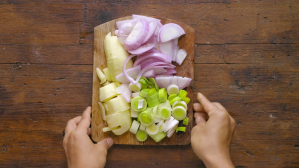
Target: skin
<point x="80" y="150"/>
<point x="210" y="138"/>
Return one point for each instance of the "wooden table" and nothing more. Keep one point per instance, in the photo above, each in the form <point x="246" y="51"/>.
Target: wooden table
<point x="246" y="58"/>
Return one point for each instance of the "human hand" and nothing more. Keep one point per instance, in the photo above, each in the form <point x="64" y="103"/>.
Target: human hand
<point x="80" y="150"/>
<point x="211" y="139"/>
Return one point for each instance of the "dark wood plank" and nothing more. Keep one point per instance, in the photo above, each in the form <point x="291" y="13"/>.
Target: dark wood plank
<point x="213" y="23"/>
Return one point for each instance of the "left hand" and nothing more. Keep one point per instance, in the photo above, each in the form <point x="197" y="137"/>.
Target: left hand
<point x="80" y="150"/>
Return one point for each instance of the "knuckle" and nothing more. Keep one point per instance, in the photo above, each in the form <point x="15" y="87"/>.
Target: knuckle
<point x="223" y="115"/>
<point x="103" y="150"/>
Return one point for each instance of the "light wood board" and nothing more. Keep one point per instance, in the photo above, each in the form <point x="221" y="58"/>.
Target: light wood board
<point x="186" y="69"/>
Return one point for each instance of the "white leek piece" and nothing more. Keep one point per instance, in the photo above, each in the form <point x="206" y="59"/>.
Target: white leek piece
<point x="101" y="76"/>
<point x="160" y="123"/>
<point x="107" y="74"/>
<point x="142" y="127"/>
<point x="134" y="127"/>
<point x="173" y="89"/>
<point x="152" y="129"/>
<point x="106" y="129"/>
<point x="140" y="103"/>
<point x="103" y="111"/>
<point x="107" y="92"/>
<point x="116" y="105"/>
<point x="135" y="88"/>
<point x="135" y="94"/>
<point x="141" y="135"/>
<point x="173" y="123"/>
<point x="179" y="103"/>
<point x="134" y="114"/>
<point x="179" y="113"/>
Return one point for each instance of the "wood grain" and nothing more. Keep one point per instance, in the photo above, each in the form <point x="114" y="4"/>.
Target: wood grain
<point x="250" y="65"/>
<point x="186" y="69"/>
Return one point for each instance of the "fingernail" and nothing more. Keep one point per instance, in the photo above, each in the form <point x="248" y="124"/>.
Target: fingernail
<point x="110" y="141"/>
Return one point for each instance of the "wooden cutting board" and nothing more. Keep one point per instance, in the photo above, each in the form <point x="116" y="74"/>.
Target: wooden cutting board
<point x="186" y="69"/>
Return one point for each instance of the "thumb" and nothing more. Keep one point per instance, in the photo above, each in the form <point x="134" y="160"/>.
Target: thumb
<point x="107" y="143"/>
<point x="200" y="118"/>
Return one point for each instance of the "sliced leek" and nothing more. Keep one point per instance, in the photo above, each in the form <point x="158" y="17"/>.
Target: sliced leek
<point x="152" y="129"/>
<point x="183" y="94"/>
<point x="152" y="80"/>
<point x="172" y="89"/>
<point x="164" y="110"/>
<point x="135" y="88"/>
<point x="162" y="95"/>
<point x="146" y="118"/>
<point x="134" y="114"/>
<point x="135" y="104"/>
<point x="158" y="137"/>
<point x="180" y="103"/>
<point x="179" y="112"/>
<point x="186" y="99"/>
<point x="142" y="127"/>
<point x="135" y="94"/>
<point x="144" y="93"/>
<point x="182" y="129"/>
<point x="141" y="135"/>
<point x="134" y="127"/>
<point x="186" y="121"/>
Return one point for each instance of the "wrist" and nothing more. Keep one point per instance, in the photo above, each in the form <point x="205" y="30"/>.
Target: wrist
<point x="219" y="161"/>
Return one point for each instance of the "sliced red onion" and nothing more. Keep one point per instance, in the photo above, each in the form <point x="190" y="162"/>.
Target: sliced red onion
<point x="158" y="29"/>
<point x="121" y="36"/>
<point x="126" y="25"/>
<point x="183" y="82"/>
<point x="144" y="47"/>
<point x="174" y="80"/>
<point x="164" y="57"/>
<point x="151" y="31"/>
<point x="125" y="92"/>
<point x="158" y="76"/>
<point x="180" y="56"/>
<point x="137" y="35"/>
<point x="132" y="72"/>
<point x="169" y="48"/>
<point x="149" y="19"/>
<point x="149" y="74"/>
<point x="159" y="71"/>
<point x="130" y="79"/>
<point x="163" y="82"/>
<point x="169" y="71"/>
<point x="153" y="66"/>
<point x="170" y="31"/>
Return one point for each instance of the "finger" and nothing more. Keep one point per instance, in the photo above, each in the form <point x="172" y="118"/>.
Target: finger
<point x="107" y="143"/>
<point x="206" y="104"/>
<point x="89" y="131"/>
<point x="71" y="125"/>
<point x="86" y="119"/>
<point x="197" y="107"/>
<point x="200" y="118"/>
<point x="219" y="105"/>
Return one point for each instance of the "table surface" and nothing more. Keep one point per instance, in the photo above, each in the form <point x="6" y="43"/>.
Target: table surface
<point x="246" y="58"/>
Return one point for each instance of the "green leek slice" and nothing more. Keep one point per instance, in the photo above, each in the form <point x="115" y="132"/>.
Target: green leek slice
<point x="152" y="80"/>
<point x="159" y="136"/>
<point x="183" y="94"/>
<point x="174" y="100"/>
<point x="186" y="99"/>
<point x="162" y="95"/>
<point x="135" y="88"/>
<point x="152" y="129"/>
<point x="141" y="135"/>
<point x="152" y="92"/>
<point x="179" y="113"/>
<point x="146" y="118"/>
<point x="180" y="103"/>
<point x="186" y="121"/>
<point x="182" y="129"/>
<point x="143" y="83"/>
<point x="172" y="89"/>
<point x="172" y="96"/>
<point x="144" y="93"/>
<point x="134" y="127"/>
<point x="153" y="103"/>
<point x="135" y="102"/>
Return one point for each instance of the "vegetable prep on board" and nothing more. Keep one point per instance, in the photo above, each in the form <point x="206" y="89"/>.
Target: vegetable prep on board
<point x="143" y="68"/>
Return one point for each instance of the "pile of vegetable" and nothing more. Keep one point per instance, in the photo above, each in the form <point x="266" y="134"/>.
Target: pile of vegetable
<point x="143" y="96"/>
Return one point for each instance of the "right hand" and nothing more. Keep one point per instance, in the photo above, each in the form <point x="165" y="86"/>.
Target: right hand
<point x="211" y="137"/>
